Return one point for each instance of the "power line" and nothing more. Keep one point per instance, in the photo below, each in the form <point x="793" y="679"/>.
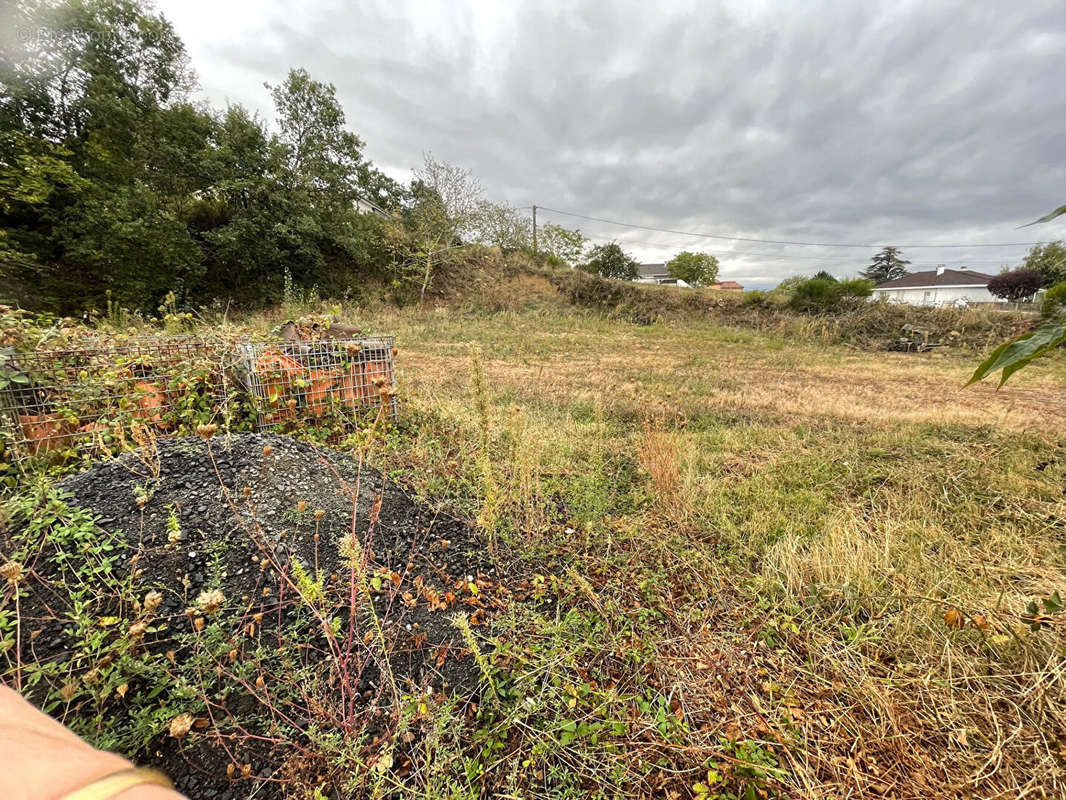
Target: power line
<point x="825" y="259"/>
<point x="777" y="241"/>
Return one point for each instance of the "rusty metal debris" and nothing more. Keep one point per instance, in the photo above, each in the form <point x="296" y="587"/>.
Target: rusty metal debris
<point x="913" y="340"/>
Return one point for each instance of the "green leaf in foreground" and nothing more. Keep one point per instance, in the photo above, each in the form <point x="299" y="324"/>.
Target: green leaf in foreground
<point x="1013" y="355"/>
<point x="1058" y="212"/>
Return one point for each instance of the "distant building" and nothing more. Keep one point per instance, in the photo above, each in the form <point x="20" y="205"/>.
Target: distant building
<point x="364" y="206"/>
<point x="659" y="274"/>
<point x="939" y="287"/>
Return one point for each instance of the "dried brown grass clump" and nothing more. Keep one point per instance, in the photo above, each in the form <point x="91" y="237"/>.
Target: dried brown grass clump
<point x="913" y="656"/>
<point x="659" y="454"/>
<point x="958" y="725"/>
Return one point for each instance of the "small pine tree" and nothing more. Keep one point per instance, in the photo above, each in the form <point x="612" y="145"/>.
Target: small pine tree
<point x="886" y="266"/>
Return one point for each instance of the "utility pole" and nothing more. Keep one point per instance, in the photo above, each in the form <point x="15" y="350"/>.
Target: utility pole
<point x="534" y="229"/>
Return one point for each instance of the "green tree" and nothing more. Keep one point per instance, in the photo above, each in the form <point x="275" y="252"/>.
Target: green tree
<point x="695" y="269"/>
<point x="855" y="288"/>
<point x="112" y="181"/>
<point x="94" y="106"/>
<point x="788" y="285"/>
<point x="322" y="157"/>
<point x="381" y="190"/>
<point x="783" y="291"/>
<point x="560" y="244"/>
<point x="1049" y="260"/>
<point x="96" y="67"/>
<point x="32" y="170"/>
<point x="445" y="208"/>
<point x="244" y="217"/>
<point x="503" y="227"/>
<point x="447" y="201"/>
<point x="611" y="261"/>
<point x="886" y="266"/>
<point x="1054" y="300"/>
<point x="323" y="174"/>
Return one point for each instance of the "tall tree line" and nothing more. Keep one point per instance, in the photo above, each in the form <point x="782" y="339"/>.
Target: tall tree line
<point x="114" y="183"/>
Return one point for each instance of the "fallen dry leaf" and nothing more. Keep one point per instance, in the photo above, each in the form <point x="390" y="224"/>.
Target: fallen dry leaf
<point x="953" y="618"/>
<point x="181" y="725"/>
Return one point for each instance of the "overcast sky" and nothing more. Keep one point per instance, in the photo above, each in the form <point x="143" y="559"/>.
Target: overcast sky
<point x="861" y="122"/>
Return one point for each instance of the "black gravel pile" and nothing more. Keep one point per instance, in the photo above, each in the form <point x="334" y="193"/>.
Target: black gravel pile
<point x="231" y="497"/>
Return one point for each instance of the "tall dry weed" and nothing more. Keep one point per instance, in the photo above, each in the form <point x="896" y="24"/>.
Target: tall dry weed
<point x="659" y="454"/>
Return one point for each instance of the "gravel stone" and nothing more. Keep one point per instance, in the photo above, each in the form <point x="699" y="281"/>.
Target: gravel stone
<point x="223" y="536"/>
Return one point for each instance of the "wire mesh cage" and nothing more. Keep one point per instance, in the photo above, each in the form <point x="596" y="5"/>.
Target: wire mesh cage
<point x="98" y="397"/>
<point x="340" y="379"/>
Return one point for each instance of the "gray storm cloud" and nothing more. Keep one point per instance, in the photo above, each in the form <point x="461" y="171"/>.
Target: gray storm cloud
<point x="860" y="122"/>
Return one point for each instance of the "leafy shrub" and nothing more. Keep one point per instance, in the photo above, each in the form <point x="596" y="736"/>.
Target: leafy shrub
<point x="1054" y="299"/>
<point x="781" y="294"/>
<point x="827" y="294"/>
<point x="856" y="288"/>
<point x="856" y="322"/>
<point x="754" y="298"/>
<point x="816" y="294"/>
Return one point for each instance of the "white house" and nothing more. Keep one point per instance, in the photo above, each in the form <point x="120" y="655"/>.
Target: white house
<point x="657" y="273"/>
<point x="939" y="287"/>
<point x="364" y="206"/>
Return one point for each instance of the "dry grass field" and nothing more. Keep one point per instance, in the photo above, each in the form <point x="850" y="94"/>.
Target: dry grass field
<point x="820" y="558"/>
<point x="704" y="562"/>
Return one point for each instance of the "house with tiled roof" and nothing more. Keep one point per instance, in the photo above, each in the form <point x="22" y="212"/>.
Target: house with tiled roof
<point x="939" y="287"/>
